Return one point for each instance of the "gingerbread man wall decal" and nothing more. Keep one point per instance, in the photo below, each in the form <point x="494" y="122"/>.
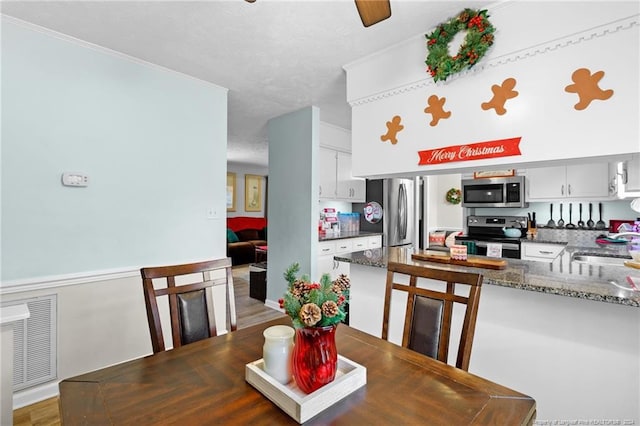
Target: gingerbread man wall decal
<point x="586" y="87"/>
<point x="501" y="94"/>
<point x="393" y="127"/>
<point x="436" y="109"/>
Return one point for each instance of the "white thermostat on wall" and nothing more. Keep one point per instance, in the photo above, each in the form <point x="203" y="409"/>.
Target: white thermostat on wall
<point x="75" y="179"/>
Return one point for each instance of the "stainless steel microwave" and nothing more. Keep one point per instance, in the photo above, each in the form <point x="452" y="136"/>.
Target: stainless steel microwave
<point x="494" y="192"/>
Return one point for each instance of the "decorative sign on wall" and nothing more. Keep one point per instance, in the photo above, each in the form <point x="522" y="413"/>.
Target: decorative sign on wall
<point x="586" y="86"/>
<point x="500" y="96"/>
<point x="436" y="109"/>
<point x="373" y="212"/>
<point x="494" y="173"/>
<point x="393" y="127"/>
<point x="474" y="151"/>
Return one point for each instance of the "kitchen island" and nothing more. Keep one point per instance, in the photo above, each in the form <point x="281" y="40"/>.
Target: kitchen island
<point x="567" y="334"/>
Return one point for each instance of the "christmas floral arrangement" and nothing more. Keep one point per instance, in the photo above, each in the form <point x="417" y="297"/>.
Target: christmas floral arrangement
<point x="476" y="43"/>
<point x="315" y="304"/>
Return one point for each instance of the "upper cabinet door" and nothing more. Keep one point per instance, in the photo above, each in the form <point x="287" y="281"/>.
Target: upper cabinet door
<point x="547" y="183"/>
<point x="575" y="181"/>
<point x="629" y="178"/>
<point x="588" y="180"/>
<point x="348" y="187"/>
<point x="327" y="173"/>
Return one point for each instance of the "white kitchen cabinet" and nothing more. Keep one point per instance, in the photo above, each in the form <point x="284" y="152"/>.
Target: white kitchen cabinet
<point x="328" y="249"/>
<point x="540" y="252"/>
<point x="326" y="263"/>
<point x="374" y="242"/>
<point x="328" y="177"/>
<point x="627" y="177"/>
<point x="336" y="181"/>
<point x="568" y="182"/>
<point x="360" y="244"/>
<point x="348" y="187"/>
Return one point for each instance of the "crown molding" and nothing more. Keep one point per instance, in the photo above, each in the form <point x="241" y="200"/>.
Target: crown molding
<point x="517" y="56"/>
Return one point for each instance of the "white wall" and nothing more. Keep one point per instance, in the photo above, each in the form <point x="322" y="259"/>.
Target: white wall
<point x="293" y="196"/>
<point x="442" y="214"/>
<point x="394" y="82"/>
<point x="153" y="143"/>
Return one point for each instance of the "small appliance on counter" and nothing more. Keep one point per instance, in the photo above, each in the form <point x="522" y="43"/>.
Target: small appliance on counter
<point x="621" y="225"/>
<point x="329" y="223"/>
<point x="484" y="232"/>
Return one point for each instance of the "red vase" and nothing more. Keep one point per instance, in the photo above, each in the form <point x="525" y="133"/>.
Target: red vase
<point x="315" y="357"/>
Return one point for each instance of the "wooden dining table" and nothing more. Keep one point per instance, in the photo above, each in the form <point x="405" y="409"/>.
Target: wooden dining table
<point x="204" y="383"/>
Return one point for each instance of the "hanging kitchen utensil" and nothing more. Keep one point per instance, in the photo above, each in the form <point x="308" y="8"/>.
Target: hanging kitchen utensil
<point x="600" y="224"/>
<point x="590" y="222"/>
<point x="561" y="221"/>
<point x="580" y="222"/>
<point x="551" y="223"/>
<point x="570" y="225"/>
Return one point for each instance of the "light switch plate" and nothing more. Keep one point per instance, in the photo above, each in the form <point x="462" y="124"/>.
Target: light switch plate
<point x="75" y="179"/>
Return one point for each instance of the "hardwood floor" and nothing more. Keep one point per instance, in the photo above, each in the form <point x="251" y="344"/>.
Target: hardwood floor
<point x="249" y="312"/>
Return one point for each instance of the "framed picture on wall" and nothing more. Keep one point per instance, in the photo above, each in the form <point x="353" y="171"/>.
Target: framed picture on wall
<point x="494" y="173"/>
<point x="231" y="192"/>
<point x="252" y="193"/>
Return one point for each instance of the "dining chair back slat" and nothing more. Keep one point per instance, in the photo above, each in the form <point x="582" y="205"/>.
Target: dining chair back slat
<point x="191" y="305"/>
<point x="429" y="313"/>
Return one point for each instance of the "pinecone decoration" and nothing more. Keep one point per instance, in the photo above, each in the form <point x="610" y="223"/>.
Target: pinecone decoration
<point x="330" y="309"/>
<point x="487" y="38"/>
<point x="342" y="282"/>
<point x="298" y="288"/>
<point x="464" y="17"/>
<point x="310" y="314"/>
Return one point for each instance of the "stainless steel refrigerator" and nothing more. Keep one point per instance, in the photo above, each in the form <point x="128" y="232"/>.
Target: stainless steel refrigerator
<point x="396" y="197"/>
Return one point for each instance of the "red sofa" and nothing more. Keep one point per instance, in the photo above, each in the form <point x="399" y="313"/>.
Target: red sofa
<point x="249" y="232"/>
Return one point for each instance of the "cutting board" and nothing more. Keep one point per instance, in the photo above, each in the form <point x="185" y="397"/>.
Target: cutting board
<point x="474" y="262"/>
<point x="632" y="264"/>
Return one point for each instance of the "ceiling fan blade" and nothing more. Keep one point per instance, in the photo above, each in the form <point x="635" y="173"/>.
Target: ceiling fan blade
<point x="373" y="11"/>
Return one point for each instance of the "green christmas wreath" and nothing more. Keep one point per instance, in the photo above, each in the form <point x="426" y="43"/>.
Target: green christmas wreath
<point x="454" y="196"/>
<point x="476" y="43"/>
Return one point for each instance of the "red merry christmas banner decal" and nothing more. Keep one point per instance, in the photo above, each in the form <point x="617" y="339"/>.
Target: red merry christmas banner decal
<point x="474" y="151"/>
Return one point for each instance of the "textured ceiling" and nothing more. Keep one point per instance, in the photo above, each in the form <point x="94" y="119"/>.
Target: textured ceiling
<point x="274" y="56"/>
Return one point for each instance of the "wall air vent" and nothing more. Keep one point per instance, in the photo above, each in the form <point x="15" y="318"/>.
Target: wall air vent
<point x="34" y="343"/>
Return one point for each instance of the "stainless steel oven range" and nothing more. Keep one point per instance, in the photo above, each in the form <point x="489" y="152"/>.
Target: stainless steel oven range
<point x="490" y="229"/>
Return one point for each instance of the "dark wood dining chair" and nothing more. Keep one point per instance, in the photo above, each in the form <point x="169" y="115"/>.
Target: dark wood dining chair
<point x="428" y="315"/>
<point x="190" y="304"/>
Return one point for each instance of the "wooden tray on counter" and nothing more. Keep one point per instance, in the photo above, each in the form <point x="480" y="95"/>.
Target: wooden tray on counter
<point x="632" y="264"/>
<point x="474" y="262"/>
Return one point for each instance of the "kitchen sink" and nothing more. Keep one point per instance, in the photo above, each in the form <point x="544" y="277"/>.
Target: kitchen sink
<point x="595" y="259"/>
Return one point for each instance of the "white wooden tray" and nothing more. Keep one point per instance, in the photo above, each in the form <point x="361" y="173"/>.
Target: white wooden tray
<point x="300" y="406"/>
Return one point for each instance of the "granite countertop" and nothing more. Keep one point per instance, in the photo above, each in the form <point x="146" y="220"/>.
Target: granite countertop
<point x="541" y="241"/>
<point x="343" y="235"/>
<point x="564" y="277"/>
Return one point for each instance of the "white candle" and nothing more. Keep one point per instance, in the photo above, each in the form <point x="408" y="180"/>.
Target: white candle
<point x="276" y="352"/>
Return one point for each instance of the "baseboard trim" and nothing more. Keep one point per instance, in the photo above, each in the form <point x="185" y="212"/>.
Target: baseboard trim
<point x="35" y="394"/>
<point x="273" y="305"/>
